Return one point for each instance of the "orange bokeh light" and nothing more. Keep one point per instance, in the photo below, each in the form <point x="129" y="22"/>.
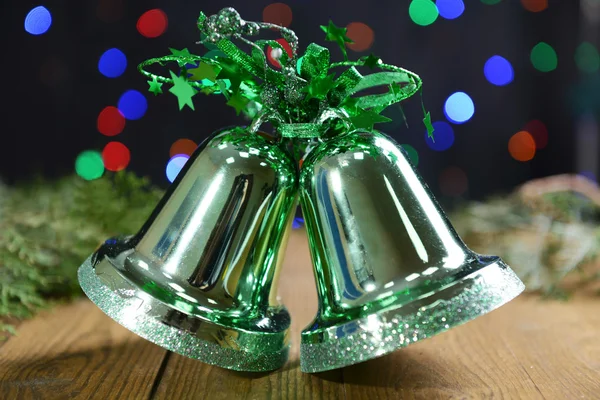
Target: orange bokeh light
<point x="183" y="146"/>
<point x="521" y="146"/>
<point x="535" y="5"/>
<point x="278" y="14"/>
<point x="361" y="34"/>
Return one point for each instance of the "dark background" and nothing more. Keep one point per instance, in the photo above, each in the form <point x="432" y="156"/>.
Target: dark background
<point x="53" y="91"/>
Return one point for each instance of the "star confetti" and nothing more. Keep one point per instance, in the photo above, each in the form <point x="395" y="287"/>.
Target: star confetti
<point x="238" y="102"/>
<point x="319" y="87"/>
<point x="184" y="92"/>
<point x="372" y="61"/>
<point x="429" y="126"/>
<point x="204" y="71"/>
<point x="338" y="35"/>
<point x="367" y="118"/>
<point x="180" y="53"/>
<point x="155" y="86"/>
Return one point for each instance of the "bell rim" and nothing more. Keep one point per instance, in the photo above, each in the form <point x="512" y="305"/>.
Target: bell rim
<point x="386" y="331"/>
<point x="181" y="341"/>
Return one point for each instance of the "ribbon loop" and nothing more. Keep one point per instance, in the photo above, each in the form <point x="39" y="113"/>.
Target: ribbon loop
<point x="315" y="62"/>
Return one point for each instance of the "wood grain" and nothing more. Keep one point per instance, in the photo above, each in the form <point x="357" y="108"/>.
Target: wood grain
<point x="528" y="349"/>
<point x="77" y="352"/>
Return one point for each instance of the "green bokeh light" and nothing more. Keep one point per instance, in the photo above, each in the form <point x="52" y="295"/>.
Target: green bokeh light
<point x="89" y="165"/>
<point x="412" y="153"/>
<point x="490" y="2"/>
<point x="423" y="12"/>
<point x="543" y="57"/>
<point x="587" y="57"/>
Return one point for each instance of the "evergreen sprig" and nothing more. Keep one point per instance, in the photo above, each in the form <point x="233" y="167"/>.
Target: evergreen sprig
<point x="48" y="228"/>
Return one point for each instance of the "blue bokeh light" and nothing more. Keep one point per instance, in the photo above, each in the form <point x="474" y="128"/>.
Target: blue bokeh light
<point x="459" y="108"/>
<point x="38" y="20"/>
<point x="498" y="71"/>
<point x="443" y="136"/>
<point x="112" y="63"/>
<point x="298" y="223"/>
<point x="133" y="105"/>
<point x="175" y="165"/>
<point x="450" y="9"/>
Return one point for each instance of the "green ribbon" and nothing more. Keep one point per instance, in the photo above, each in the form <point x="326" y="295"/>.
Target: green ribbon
<point x="301" y="131"/>
<point x="343" y="93"/>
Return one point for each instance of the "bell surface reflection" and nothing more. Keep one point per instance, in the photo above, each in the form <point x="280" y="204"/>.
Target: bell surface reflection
<point x="200" y="276"/>
<point x="390" y="269"/>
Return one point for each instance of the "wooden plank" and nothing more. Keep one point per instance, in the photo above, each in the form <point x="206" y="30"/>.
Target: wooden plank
<point x="469" y="361"/>
<point x="76" y="351"/>
<point x="528" y="349"/>
<point x="557" y="344"/>
<point x="190" y="379"/>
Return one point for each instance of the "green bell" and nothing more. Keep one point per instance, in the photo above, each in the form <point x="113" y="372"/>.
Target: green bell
<point x="200" y="276"/>
<point x="390" y="268"/>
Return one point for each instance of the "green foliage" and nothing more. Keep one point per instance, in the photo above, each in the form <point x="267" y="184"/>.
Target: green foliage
<point x="48" y="228"/>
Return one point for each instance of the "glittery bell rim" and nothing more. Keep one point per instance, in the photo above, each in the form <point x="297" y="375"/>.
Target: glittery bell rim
<point x="241" y="350"/>
<point x="381" y="333"/>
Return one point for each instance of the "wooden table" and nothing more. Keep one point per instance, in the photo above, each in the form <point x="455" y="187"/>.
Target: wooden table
<point x="530" y="348"/>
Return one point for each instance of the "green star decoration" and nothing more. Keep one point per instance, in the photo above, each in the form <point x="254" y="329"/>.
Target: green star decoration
<point x="367" y="118"/>
<point x="429" y="126"/>
<point x="184" y="92"/>
<point x="319" y="87"/>
<point x="155" y="86"/>
<point x="180" y="53"/>
<point x="372" y="61"/>
<point x="238" y="102"/>
<point x="204" y="71"/>
<point x="338" y="35"/>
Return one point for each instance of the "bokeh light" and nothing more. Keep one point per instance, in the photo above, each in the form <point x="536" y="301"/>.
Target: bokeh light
<point x="133" y="104"/>
<point x="89" y="165"/>
<point x="587" y="57"/>
<point x="273" y="54"/>
<point x="152" y="23"/>
<point x="450" y="9"/>
<point x="498" y="71"/>
<point x="361" y="34"/>
<point x="298" y="223"/>
<point x="491" y="2"/>
<point x="443" y="136"/>
<point x="589" y="175"/>
<point x="543" y="57"/>
<point x="182" y="146"/>
<point x="521" y="146"/>
<point x="110" y="121"/>
<point x="413" y="155"/>
<point x="535" y="5"/>
<point x="38" y="21"/>
<point x="278" y="14"/>
<point x="175" y="165"/>
<point x="453" y="182"/>
<point x="112" y="63"/>
<point x="116" y="156"/>
<point x="459" y="108"/>
<point x="423" y="12"/>
<point x="537" y="129"/>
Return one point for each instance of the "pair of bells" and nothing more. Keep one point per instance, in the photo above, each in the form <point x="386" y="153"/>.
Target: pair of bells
<point x="200" y="277"/>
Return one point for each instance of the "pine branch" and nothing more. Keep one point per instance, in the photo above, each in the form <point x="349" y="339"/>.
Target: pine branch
<point x="50" y="227"/>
